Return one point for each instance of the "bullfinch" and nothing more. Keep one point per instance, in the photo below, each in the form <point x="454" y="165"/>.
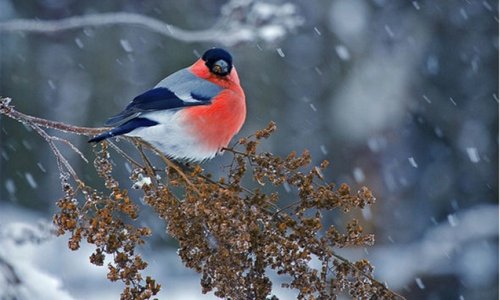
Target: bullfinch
<point x="191" y="114"/>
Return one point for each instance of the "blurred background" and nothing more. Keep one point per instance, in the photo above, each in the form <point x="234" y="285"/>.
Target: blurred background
<point x="400" y="96"/>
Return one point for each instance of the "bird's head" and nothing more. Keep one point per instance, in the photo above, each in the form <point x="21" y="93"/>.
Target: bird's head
<point x="216" y="66"/>
<point x="218" y="61"/>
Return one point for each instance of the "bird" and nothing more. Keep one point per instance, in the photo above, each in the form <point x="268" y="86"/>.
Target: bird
<point x="190" y="115"/>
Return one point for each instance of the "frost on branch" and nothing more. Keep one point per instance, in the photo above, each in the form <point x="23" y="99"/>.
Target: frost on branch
<point x="235" y="237"/>
<point x="239" y="21"/>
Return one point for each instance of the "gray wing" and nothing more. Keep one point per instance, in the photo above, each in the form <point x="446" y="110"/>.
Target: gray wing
<point x="178" y="90"/>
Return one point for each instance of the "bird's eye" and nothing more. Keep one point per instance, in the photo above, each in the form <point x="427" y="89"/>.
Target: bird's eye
<point x="220" y="68"/>
<point x="217" y="69"/>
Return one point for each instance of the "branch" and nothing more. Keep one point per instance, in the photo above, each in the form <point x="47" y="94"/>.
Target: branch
<point x="61" y="160"/>
<point x="288" y="168"/>
<point x="368" y="276"/>
<point x="38" y="123"/>
<point x="104" y="19"/>
<point x="240" y="21"/>
<point x="9" y="111"/>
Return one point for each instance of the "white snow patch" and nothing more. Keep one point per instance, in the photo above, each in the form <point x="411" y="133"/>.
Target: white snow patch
<point x="323" y="149"/>
<point x="473" y="154"/>
<point x="271" y="33"/>
<point x="280" y="52"/>
<point x="51" y="84"/>
<point x="389" y="30"/>
<point x="10" y="186"/>
<point x="342" y="52"/>
<point x="412" y="161"/>
<point x="142" y="180"/>
<point x="126" y="45"/>
<point x="426" y="99"/>
<point x="452" y="220"/>
<point x="31" y="180"/>
<point x="420" y="283"/>
<point x="79" y="43"/>
<point x="359" y="175"/>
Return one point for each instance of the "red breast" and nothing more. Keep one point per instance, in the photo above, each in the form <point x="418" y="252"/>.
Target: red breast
<point x="217" y="123"/>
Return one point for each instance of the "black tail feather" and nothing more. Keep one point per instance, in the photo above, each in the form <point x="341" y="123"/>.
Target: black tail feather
<point x="124" y="128"/>
<point x="101" y="137"/>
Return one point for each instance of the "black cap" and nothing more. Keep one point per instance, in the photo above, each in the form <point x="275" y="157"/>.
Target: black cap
<point x="218" y="61"/>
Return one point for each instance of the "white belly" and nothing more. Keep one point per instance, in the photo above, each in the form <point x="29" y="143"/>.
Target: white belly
<point x="172" y="138"/>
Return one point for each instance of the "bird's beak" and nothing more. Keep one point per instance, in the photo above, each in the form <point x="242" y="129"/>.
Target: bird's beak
<point x="224" y="66"/>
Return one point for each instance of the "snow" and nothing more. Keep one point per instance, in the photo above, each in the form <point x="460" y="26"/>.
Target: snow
<point x="10" y="186"/>
<point x="49" y="270"/>
<point x="141" y="181"/>
<point x="359" y="175"/>
<point x="412" y="161"/>
<point x="342" y="52"/>
<point x="382" y="86"/>
<point x="464" y="13"/>
<point x="367" y="213"/>
<point x="419" y="282"/>
<point x="432" y="64"/>
<point x="453" y="101"/>
<point x="17" y="255"/>
<point x="452" y="220"/>
<point x="271" y="33"/>
<point x="349" y="20"/>
<point x="126" y="45"/>
<point x="79" y="43"/>
<point x="441" y="247"/>
<point x="31" y="180"/>
<point x="389" y="30"/>
<point x="280" y="52"/>
<point x="41" y="167"/>
<point x="287" y="187"/>
<point x="323" y="149"/>
<point x="51" y="84"/>
<point x="473" y="154"/>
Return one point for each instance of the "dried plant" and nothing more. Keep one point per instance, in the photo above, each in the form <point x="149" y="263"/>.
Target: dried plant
<point x="233" y="236"/>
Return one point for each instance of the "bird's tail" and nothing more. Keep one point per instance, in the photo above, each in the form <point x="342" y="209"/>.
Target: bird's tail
<point x="102" y="136"/>
<point x="124" y="128"/>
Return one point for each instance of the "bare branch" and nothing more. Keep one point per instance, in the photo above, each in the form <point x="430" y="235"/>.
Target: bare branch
<point x="124" y="155"/>
<point x="105" y="19"/>
<point x="37" y="124"/>
<point x="73" y="147"/>
<point x="62" y="163"/>
<point x="8" y="110"/>
<point x="240" y="21"/>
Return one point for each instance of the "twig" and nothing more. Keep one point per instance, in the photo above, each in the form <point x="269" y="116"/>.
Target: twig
<point x="125" y="155"/>
<point x="373" y="280"/>
<point x="73" y="147"/>
<point x="286" y="207"/>
<point x="8" y="110"/>
<point x="148" y="166"/>
<point x="61" y="161"/>
<point x="170" y="164"/>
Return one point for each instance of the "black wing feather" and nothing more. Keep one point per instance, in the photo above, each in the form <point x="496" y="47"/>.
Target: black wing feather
<point x="160" y="98"/>
<point x="124" y="128"/>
